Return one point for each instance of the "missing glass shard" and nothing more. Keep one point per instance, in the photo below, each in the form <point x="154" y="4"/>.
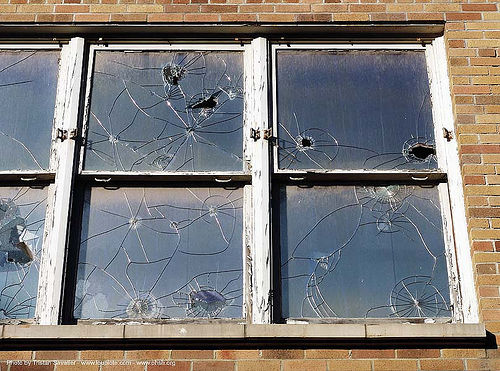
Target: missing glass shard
<point x="419" y="150"/>
<point x="205" y="103"/>
<point x="12" y="228"/>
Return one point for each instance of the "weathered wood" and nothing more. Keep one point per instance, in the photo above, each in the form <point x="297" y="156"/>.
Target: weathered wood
<point x="261" y="254"/>
<point x="56" y="223"/>
<point x="461" y="271"/>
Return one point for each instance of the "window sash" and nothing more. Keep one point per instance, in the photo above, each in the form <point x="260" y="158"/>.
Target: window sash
<point x="258" y="284"/>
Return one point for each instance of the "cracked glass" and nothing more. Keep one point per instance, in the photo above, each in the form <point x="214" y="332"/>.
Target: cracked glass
<point x="362" y="109"/>
<point x="364" y="251"/>
<point x="161" y="253"/>
<point x="22" y="216"/>
<point x="166" y="111"/>
<point x="27" y="76"/>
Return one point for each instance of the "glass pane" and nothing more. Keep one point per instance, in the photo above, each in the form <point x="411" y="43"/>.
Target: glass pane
<point x="22" y="217"/>
<point x="166" y="111"/>
<point x="28" y="82"/>
<point x="354" y="110"/>
<point x="363" y="251"/>
<point x="161" y="253"/>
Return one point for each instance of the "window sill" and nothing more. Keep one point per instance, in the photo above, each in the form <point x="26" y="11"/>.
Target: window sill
<point x="243" y="335"/>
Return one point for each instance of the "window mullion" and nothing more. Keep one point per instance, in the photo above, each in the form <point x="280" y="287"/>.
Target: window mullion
<point x="261" y="254"/>
<point x="66" y="118"/>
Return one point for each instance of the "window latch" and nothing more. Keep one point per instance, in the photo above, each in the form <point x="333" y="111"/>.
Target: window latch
<point x="447" y="134"/>
<point x="65" y="134"/>
<point x="254" y="134"/>
<point x="267" y="134"/>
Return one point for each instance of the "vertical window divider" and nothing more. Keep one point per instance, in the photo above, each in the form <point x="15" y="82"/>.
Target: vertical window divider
<point x="57" y="221"/>
<point x="448" y="150"/>
<point x="261" y="254"/>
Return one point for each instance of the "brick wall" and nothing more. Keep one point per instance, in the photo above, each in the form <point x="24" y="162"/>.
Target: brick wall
<point x="255" y="360"/>
<point x="472" y="34"/>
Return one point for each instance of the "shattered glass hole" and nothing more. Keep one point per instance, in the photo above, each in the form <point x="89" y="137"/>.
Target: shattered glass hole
<point x="210" y="302"/>
<point x="172" y="73"/>
<point x="305" y="143"/>
<point x="385" y="194"/>
<point x="145" y="306"/>
<point x="419" y="150"/>
<point x="422" y="151"/>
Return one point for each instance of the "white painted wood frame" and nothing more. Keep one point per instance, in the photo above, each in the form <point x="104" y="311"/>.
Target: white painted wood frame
<point x="57" y="220"/>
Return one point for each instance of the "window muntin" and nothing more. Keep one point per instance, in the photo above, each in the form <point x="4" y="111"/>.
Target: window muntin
<point x="355" y="165"/>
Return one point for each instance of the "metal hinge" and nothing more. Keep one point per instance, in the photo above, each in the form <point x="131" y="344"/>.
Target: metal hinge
<point x="65" y="134"/>
<point x="447" y="134"/>
<point x="267" y="134"/>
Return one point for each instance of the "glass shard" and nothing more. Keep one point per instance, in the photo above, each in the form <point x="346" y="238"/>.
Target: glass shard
<point x="161" y="253"/>
<point x="166" y="111"/>
<point x="28" y="82"/>
<point x="354" y="110"/>
<point x="362" y="251"/>
<point x="22" y="216"/>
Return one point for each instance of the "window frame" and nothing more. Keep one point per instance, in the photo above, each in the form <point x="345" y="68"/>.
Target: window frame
<point x="259" y="112"/>
<point x="449" y="184"/>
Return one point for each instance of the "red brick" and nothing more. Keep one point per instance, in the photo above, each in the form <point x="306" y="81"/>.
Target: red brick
<point x="237" y="354"/>
<point x="349" y="365"/>
<point x="192" y="354"/>
<point x="177" y="366"/>
<point x="373" y="353"/>
<point x="418" y="353"/>
<point x="462" y="16"/>
<point x="482" y="246"/>
<point x="442" y="364"/>
<point x="326" y="353"/>
<point x="56" y="354"/>
<point x="102" y="354"/>
<point x="480" y="148"/>
<point x="282" y="353"/>
<point x="213" y="366"/>
<point x="479" y="7"/>
<point x="304" y="364"/>
<point x="147" y="354"/>
<point x="31" y="367"/>
<point x="395" y="364"/>
<point x="259" y="365"/>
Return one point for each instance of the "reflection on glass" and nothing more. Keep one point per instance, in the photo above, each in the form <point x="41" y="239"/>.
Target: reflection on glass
<point x="28" y="81"/>
<point x="161" y="253"/>
<point x="362" y="251"/>
<point x="354" y="110"/>
<point x="166" y="111"/>
<point x="22" y="216"/>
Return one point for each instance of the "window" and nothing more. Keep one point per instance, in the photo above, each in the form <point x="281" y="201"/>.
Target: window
<point x="26" y="171"/>
<point x="257" y="181"/>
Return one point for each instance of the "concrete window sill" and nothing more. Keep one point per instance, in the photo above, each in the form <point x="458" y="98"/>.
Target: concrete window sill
<point x="203" y="335"/>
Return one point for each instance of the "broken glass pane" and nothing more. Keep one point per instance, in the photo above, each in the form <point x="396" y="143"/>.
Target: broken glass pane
<point x="354" y="110"/>
<point x="28" y="81"/>
<point x="166" y="111"/>
<point x="22" y="216"/>
<point x="362" y="251"/>
<point x="161" y="253"/>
